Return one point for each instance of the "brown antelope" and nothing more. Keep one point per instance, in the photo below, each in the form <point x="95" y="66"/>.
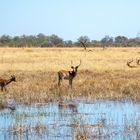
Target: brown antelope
<point x="5" y="82"/>
<point x="68" y="75"/>
<point x="137" y="62"/>
<point x="129" y="64"/>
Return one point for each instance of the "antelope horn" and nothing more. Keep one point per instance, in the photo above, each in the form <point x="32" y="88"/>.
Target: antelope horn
<point x="71" y="62"/>
<point x="80" y="63"/>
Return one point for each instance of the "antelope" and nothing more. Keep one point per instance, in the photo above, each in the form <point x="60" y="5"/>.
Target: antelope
<point x="5" y="82"/>
<point x="129" y="64"/>
<point x="138" y="61"/>
<point x="133" y="66"/>
<point x="68" y="75"/>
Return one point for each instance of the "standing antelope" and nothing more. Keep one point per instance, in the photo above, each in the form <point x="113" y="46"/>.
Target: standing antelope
<point x="68" y="75"/>
<point x="5" y="82"/>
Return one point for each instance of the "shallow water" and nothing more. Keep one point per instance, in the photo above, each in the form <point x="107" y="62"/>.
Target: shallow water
<point x="104" y="120"/>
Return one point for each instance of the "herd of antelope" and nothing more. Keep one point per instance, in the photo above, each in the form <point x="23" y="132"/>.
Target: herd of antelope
<point x="63" y="74"/>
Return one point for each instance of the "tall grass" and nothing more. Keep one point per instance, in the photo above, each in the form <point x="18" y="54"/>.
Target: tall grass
<point x="103" y="73"/>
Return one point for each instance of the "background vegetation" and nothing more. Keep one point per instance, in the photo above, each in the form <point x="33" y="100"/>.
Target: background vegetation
<point x="42" y="40"/>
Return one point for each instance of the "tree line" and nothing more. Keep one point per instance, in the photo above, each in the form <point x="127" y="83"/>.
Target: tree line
<point x="42" y="40"/>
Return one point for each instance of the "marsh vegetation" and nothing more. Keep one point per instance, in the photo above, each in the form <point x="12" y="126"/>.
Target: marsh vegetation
<point x="102" y="104"/>
<point x="96" y="119"/>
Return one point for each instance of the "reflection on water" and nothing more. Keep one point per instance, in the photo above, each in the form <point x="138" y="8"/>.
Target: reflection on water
<point x="104" y="120"/>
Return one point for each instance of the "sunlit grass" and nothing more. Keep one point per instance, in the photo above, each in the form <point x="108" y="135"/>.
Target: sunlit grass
<point x="102" y="74"/>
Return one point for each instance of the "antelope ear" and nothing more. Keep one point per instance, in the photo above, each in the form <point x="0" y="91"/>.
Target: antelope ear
<point x="72" y="67"/>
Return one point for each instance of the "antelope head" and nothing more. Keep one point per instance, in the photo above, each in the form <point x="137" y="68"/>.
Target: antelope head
<point x="75" y="69"/>
<point x="13" y="78"/>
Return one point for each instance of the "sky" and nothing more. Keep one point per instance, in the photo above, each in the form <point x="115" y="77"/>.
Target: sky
<point x="70" y="19"/>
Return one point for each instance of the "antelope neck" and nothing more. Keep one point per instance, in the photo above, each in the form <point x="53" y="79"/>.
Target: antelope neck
<point x="8" y="81"/>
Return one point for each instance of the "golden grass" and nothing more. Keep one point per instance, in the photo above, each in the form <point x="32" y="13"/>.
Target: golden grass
<point x="53" y="59"/>
<point x="103" y="74"/>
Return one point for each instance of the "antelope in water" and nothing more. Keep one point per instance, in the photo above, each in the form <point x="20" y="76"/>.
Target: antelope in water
<point x="5" y="82"/>
<point x="68" y="75"/>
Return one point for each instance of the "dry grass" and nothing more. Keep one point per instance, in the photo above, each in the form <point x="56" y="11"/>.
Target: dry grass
<point x="102" y="75"/>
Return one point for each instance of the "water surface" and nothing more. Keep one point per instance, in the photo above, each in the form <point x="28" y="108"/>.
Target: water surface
<point x="104" y="120"/>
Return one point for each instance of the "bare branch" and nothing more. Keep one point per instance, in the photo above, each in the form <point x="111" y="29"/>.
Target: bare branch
<point x="84" y="44"/>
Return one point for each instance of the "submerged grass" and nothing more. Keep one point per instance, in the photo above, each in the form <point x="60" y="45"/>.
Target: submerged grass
<point x="20" y="129"/>
<point x="102" y="75"/>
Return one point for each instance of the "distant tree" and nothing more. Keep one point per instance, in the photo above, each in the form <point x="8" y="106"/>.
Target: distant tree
<point x="84" y="41"/>
<point x="31" y="41"/>
<point x="121" y="41"/>
<point x="55" y="40"/>
<point x="133" y="42"/>
<point x="5" y="40"/>
<point x="96" y="43"/>
<point x="15" y="41"/>
<point x="42" y="40"/>
<point x="68" y="43"/>
<point x="107" y="41"/>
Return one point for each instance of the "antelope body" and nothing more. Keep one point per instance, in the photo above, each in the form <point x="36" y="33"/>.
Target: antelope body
<point x="5" y="82"/>
<point x="68" y="75"/>
<point x="129" y="63"/>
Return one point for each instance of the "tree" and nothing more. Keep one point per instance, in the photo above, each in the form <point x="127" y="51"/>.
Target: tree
<point x="107" y="41"/>
<point x="68" y="43"/>
<point x="5" y="39"/>
<point x="84" y="40"/>
<point x="41" y="38"/>
<point x="121" y="41"/>
<point x="96" y="43"/>
<point x="55" y="40"/>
